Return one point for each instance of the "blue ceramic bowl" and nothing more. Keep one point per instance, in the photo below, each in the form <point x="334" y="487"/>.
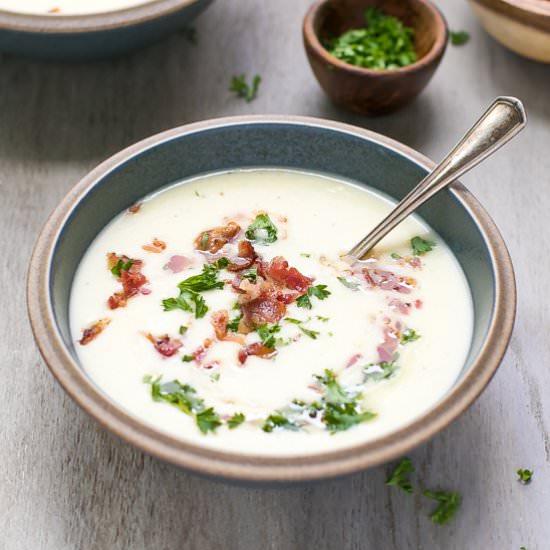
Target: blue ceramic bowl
<point x="98" y="35"/>
<point x="286" y="142"/>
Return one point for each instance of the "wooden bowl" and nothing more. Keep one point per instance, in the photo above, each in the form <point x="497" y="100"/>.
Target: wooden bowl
<point x="523" y="26"/>
<point x="367" y="91"/>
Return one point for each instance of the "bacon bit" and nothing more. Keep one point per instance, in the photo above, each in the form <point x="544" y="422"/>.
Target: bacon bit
<point x="418" y="304"/>
<point x="386" y="350"/>
<point x="402" y="307"/>
<point x="176" y="264"/>
<point x="386" y="280"/>
<point x="132" y="281"/>
<point x="156" y="247"/>
<point x="258" y="349"/>
<point x="219" y="322"/>
<point x="414" y="261"/>
<point x="145" y="291"/>
<point x="93" y="331"/>
<point x="353" y="359"/>
<point x="54" y="10"/>
<point x="216" y="238"/>
<point x="247" y="256"/>
<point x="290" y="277"/>
<point x="165" y="345"/>
<point x="135" y="208"/>
<point x="265" y="307"/>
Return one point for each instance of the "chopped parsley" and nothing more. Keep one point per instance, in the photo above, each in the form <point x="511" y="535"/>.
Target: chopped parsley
<point x="221" y="263"/>
<point x="323" y="319"/>
<point x="251" y="274"/>
<point x="236" y="420"/>
<point x="187" y="358"/>
<point x="189" y="298"/>
<point x="308" y="332"/>
<point x="379" y="371"/>
<point x="122" y="266"/>
<point x="319" y="291"/>
<point x="525" y="476"/>
<point x="384" y="44"/>
<point x="400" y="475"/>
<point x="348" y="283"/>
<point x="293" y="321"/>
<point x="395" y="256"/>
<point x="305" y="254"/>
<point x="262" y="230"/>
<point x="448" y="504"/>
<point x="183" y="329"/>
<point x="458" y="38"/>
<point x="409" y="335"/>
<point x="215" y="377"/>
<point x="247" y="91"/>
<point x="279" y="420"/>
<point x="267" y="334"/>
<point x="185" y="398"/>
<point x="420" y="246"/>
<point x="233" y="325"/>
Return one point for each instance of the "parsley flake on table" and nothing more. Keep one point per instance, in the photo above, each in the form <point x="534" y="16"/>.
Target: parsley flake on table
<point x="420" y="246"/>
<point x="400" y="475"/>
<point x="458" y="38"/>
<point x="385" y="43"/>
<point x="525" y="476"/>
<point x="448" y="504"/>
<point x="318" y="291"/>
<point x="262" y="230"/>
<point x="247" y="91"/>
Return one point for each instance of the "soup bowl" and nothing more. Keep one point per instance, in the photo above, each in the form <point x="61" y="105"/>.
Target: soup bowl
<point x="94" y="35"/>
<point x="305" y="144"/>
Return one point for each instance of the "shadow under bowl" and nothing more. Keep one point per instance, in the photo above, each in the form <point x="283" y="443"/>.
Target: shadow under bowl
<point x="368" y="91"/>
<point x="97" y="35"/>
<point x="301" y="143"/>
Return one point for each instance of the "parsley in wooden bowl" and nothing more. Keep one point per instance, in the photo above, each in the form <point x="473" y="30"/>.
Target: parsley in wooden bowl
<point x="374" y="57"/>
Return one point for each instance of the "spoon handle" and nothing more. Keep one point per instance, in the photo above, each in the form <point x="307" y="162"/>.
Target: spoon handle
<point x="500" y="123"/>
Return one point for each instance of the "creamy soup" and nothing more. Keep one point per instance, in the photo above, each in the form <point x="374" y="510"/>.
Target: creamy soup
<point x="67" y="7"/>
<point x="219" y="311"/>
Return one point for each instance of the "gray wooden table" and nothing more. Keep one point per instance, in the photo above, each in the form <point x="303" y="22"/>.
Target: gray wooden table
<point x="67" y="484"/>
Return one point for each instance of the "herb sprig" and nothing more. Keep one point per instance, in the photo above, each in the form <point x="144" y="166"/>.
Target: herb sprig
<point x="318" y="291"/>
<point x="262" y="230"/>
<point x="400" y="476"/>
<point x="247" y="91"/>
<point x="448" y="504"/>
<point x="420" y="246"/>
<point x="458" y="38"/>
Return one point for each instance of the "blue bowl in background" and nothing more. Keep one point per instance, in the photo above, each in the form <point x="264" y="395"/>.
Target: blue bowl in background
<point x="82" y="37"/>
<point x="285" y="142"/>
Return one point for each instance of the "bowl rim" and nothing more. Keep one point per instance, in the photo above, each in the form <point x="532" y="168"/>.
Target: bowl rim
<point x="534" y="13"/>
<point x="93" y="22"/>
<point x="248" y="468"/>
<point x="436" y="51"/>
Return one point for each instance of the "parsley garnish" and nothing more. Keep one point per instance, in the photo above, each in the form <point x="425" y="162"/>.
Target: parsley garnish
<point x="189" y="292"/>
<point x="183" y="329"/>
<point x="448" y="504"/>
<point x="236" y="420"/>
<point x="184" y="397"/>
<point x="243" y="89"/>
<point x="233" y="325"/>
<point x="395" y="256"/>
<point x="380" y="371"/>
<point x="323" y="319"/>
<point x="319" y="291"/>
<point x="305" y="254"/>
<point x="308" y="332"/>
<point x="525" y="476"/>
<point x="221" y="263"/>
<point x="384" y="44"/>
<point x="187" y="358"/>
<point x="420" y="246"/>
<point x="279" y="420"/>
<point x="267" y="335"/>
<point x="409" y="335"/>
<point x="262" y="230"/>
<point x="458" y="38"/>
<point x="215" y="377"/>
<point x="121" y="266"/>
<point x="251" y="274"/>
<point x="348" y="283"/>
<point x="400" y="475"/>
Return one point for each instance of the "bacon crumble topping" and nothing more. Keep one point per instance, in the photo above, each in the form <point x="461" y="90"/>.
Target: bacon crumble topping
<point x="212" y="240"/>
<point x="132" y="280"/>
<point x="156" y="247"/>
<point x="93" y="331"/>
<point x="165" y="345"/>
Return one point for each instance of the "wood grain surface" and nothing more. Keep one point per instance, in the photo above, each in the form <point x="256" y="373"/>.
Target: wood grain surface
<point x="67" y="484"/>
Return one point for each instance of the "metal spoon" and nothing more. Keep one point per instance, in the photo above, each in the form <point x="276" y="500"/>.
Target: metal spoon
<point x="500" y="123"/>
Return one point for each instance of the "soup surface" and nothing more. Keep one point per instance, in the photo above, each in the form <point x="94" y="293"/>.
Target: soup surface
<point x="219" y="311"/>
<point x="67" y="7"/>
